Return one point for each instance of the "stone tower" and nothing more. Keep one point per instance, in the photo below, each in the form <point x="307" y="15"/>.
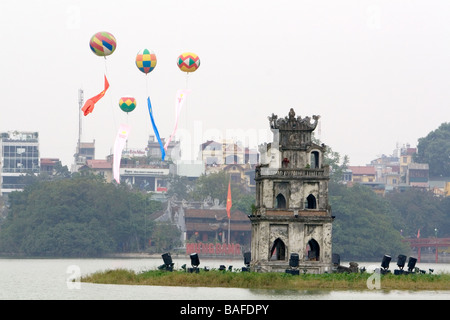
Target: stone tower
<point x="292" y="213"/>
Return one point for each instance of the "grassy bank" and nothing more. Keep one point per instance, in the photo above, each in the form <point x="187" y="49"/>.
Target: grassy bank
<point x="215" y="278"/>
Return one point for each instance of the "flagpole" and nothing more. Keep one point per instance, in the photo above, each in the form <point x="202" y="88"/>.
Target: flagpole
<point x="229" y="204"/>
<point x="228" y="230"/>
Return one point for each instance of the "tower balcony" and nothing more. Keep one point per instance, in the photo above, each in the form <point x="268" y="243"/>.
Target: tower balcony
<point x="293" y="173"/>
<point x="292" y="214"/>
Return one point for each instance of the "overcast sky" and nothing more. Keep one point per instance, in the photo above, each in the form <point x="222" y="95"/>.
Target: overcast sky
<point x="377" y="72"/>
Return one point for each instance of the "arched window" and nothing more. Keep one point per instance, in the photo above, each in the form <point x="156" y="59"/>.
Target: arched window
<point x="313" y="250"/>
<point x="314" y="160"/>
<point x="281" y="201"/>
<point x="278" y="250"/>
<point x="311" y="202"/>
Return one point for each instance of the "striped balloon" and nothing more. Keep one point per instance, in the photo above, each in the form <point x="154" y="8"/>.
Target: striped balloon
<point x="127" y="104"/>
<point x="146" y="60"/>
<point x="103" y="43"/>
<point x="188" y="62"/>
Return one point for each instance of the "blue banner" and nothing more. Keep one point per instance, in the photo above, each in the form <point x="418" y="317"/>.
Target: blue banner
<point x="163" y="152"/>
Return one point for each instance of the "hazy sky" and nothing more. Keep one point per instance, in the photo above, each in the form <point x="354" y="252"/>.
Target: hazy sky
<point x="377" y="72"/>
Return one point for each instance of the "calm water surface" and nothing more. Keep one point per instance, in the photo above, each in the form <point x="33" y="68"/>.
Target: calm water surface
<point x="51" y="279"/>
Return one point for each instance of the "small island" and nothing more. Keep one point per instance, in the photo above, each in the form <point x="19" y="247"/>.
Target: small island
<point x="270" y="280"/>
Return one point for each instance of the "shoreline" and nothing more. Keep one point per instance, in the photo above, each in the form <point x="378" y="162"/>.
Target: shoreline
<point x="425" y="258"/>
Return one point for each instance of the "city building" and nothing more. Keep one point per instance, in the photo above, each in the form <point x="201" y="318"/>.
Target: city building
<point x="142" y="169"/>
<point x="395" y="172"/>
<point x="230" y="156"/>
<point x="154" y="149"/>
<point x="100" y="167"/>
<point x="406" y="157"/>
<point x="211" y="225"/>
<point x="417" y="175"/>
<point x="214" y="153"/>
<point x="85" y="151"/>
<point x="363" y="173"/>
<point x="49" y="165"/>
<point x="20" y="156"/>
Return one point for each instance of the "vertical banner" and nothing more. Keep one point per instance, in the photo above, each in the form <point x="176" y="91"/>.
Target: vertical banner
<point x="119" y="144"/>
<point x="179" y="101"/>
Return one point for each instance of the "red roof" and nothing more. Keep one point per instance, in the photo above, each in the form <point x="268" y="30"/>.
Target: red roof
<point x="99" y="164"/>
<point x="362" y="170"/>
<point x="214" y="219"/>
<point x="49" y="161"/>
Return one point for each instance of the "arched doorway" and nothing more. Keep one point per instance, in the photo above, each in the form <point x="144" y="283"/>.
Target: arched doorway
<point x="278" y="250"/>
<point x="281" y="201"/>
<point x="313" y="250"/>
<point x="311" y="202"/>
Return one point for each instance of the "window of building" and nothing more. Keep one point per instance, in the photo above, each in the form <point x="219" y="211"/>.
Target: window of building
<point x="314" y="159"/>
<point x="313" y="250"/>
<point x="278" y="250"/>
<point x="311" y="202"/>
<point x="280" y="202"/>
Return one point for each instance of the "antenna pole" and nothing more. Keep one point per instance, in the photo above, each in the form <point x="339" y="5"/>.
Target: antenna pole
<point x="80" y="103"/>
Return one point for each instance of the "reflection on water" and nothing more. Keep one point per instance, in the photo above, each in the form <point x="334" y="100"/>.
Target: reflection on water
<point x="52" y="279"/>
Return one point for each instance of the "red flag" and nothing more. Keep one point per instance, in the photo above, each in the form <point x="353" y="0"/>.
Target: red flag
<point x="229" y="202"/>
<point x="89" y="105"/>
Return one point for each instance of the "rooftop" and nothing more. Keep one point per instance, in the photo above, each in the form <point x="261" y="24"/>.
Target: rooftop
<point x="362" y="170"/>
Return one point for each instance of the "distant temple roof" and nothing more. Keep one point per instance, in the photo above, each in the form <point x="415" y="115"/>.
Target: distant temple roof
<point x="214" y="219"/>
<point x="216" y="214"/>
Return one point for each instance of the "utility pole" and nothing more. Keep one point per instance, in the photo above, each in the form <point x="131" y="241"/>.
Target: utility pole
<point x="80" y="128"/>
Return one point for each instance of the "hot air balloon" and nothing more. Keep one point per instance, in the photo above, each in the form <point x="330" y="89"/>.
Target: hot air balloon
<point x="127" y="104"/>
<point x="146" y="60"/>
<point x="103" y="43"/>
<point x="188" y="62"/>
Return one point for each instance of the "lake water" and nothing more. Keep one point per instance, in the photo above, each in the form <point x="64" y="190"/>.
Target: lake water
<point x="51" y="279"/>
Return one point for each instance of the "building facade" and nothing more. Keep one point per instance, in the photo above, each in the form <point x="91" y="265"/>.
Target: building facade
<point x="85" y="151"/>
<point x="20" y="156"/>
<point x="292" y="212"/>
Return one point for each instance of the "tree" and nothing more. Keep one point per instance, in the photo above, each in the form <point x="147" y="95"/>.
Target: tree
<point x="180" y="187"/>
<point x="80" y="216"/>
<point x="434" y="149"/>
<point x="337" y="167"/>
<point x="215" y="185"/>
<point x="363" y="228"/>
<point x="165" y="236"/>
<point x="418" y="209"/>
<point x="333" y="159"/>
